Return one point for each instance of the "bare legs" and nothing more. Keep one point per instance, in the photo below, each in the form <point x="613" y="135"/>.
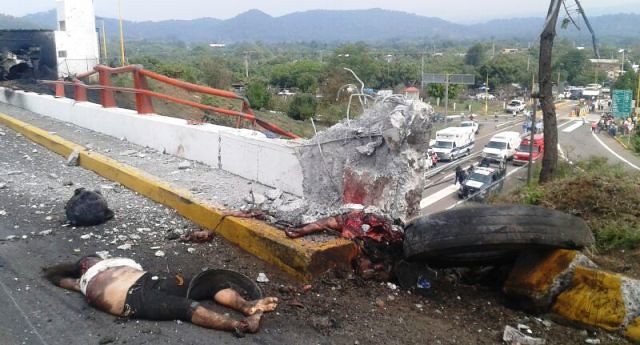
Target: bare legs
<point x="231" y="299"/>
<point x="253" y="311"/>
<point x="210" y="319"/>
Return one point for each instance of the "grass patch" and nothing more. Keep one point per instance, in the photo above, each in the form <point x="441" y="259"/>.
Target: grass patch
<point x="606" y="196"/>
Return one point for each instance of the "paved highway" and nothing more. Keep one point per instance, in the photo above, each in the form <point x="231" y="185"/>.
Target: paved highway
<point x="575" y="140"/>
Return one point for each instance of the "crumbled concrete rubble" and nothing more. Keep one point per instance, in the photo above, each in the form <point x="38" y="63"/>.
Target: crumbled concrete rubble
<point x="513" y="336"/>
<point x="631" y="292"/>
<point x="374" y="160"/>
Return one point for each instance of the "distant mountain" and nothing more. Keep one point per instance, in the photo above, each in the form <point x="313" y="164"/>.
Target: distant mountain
<point x="358" y="25"/>
<point x="9" y="22"/>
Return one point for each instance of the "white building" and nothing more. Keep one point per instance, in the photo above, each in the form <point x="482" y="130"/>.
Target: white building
<point x="76" y="38"/>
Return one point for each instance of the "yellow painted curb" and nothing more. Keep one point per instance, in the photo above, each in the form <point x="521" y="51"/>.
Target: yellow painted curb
<point x="621" y="143"/>
<point x="533" y="277"/>
<point x="633" y="330"/>
<point x="594" y="298"/>
<point x="301" y="258"/>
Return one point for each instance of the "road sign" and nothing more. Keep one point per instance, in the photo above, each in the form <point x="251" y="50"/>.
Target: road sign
<point x="431" y="78"/>
<point x="446" y="79"/>
<point x="466" y="79"/>
<point x="621" y="103"/>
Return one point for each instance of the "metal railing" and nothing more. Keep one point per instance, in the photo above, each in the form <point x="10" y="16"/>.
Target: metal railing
<point x="143" y="94"/>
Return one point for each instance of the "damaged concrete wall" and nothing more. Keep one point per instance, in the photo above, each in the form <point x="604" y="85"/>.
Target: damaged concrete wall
<point x="20" y="41"/>
<point x="375" y="160"/>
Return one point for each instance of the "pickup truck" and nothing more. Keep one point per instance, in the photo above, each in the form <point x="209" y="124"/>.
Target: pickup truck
<point x="515" y="106"/>
<point x="485" y="180"/>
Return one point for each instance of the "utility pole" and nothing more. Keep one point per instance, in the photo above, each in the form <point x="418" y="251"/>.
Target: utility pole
<point x="122" y="57"/>
<point x="528" y="56"/>
<point x="446" y="95"/>
<point x="246" y="65"/>
<point x="533" y="130"/>
<point x="104" y="43"/>
<point x="422" y="74"/>
<point x="533" y="86"/>
<point x="247" y="55"/>
<point x="486" y="96"/>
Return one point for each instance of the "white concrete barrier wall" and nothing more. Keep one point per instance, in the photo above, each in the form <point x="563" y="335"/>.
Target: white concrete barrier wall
<point x="272" y="162"/>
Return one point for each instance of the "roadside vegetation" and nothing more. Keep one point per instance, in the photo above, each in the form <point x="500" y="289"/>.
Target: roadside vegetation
<point x="302" y="80"/>
<point x="606" y="196"/>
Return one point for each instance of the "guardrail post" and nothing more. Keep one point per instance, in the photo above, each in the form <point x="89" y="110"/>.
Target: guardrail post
<point x="79" y="91"/>
<point x="143" y="102"/>
<point x="106" y="96"/>
<point x="60" y="90"/>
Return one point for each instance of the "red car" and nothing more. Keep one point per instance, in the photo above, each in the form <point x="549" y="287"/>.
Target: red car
<point x="522" y="152"/>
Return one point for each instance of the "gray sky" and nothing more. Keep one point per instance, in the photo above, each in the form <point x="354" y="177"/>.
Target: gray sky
<point x="461" y="11"/>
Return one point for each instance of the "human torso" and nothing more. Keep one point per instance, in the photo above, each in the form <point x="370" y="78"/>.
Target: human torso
<point x="107" y="288"/>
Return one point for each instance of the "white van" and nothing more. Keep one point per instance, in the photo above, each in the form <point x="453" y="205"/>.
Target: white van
<point x="502" y="146"/>
<point x="453" y="142"/>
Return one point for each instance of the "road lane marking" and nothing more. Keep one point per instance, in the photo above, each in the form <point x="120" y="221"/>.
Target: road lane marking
<point x="15" y="303"/>
<point x="435" y="197"/>
<point x="573" y="127"/>
<point x="614" y="153"/>
<point x="564" y="124"/>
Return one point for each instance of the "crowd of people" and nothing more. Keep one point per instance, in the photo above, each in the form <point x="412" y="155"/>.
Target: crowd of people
<point x="614" y="126"/>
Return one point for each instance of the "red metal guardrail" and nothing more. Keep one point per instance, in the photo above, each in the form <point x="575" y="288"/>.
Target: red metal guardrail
<point x="143" y="94"/>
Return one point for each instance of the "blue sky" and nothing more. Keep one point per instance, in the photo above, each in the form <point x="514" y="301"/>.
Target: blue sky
<point x="461" y="11"/>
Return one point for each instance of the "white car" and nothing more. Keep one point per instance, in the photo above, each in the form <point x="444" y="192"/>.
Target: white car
<point x="515" y="106"/>
<point x="473" y="124"/>
<point x="483" y="96"/>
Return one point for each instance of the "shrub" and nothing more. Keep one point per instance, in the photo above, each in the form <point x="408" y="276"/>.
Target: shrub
<point x="532" y="195"/>
<point x="617" y="235"/>
<point x="302" y="107"/>
<point x="258" y="95"/>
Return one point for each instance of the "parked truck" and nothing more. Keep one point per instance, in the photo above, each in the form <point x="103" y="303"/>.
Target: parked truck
<point x="522" y="152"/>
<point x="453" y="142"/>
<point x="502" y="146"/>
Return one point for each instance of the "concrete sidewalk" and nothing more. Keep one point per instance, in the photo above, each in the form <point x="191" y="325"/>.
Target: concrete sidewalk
<point x="196" y="191"/>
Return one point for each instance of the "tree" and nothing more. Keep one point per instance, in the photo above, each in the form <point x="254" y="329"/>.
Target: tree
<point x="627" y="81"/>
<point x="574" y="63"/>
<point x="476" y="55"/>
<point x="438" y="90"/>
<point x="178" y="71"/>
<point x="307" y="83"/>
<point x="550" y="158"/>
<point x="258" y="95"/>
<point x="301" y="74"/>
<point x="215" y="73"/>
<point x="505" y="69"/>
<point x="302" y="107"/>
<point x="358" y="58"/>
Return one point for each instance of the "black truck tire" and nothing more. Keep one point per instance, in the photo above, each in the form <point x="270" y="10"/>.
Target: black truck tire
<point x="483" y="235"/>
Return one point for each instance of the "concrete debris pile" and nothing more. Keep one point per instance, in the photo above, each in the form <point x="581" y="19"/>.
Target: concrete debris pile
<point x="375" y="160"/>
